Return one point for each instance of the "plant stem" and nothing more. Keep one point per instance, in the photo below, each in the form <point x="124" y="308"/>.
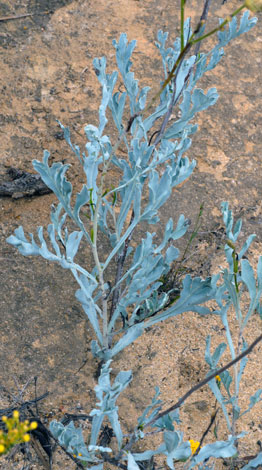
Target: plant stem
<point x="100" y="274"/>
<point x="170" y="76"/>
<point x="235" y="269"/>
<point x="175" y="99"/>
<point x="236" y="371"/>
<point x="204" y="382"/>
<point x="193" y="235"/>
<point x="182" y="19"/>
<point x="221" y="26"/>
<point x="120" y="265"/>
<point x="184" y="51"/>
<point x="95" y="251"/>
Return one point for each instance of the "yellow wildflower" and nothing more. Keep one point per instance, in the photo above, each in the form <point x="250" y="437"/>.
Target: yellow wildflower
<point x="254" y="5"/>
<point x="218" y="379"/>
<point x="194" y="445"/>
<point x="15" y="433"/>
<point x="16" y="414"/>
<point x="33" y="425"/>
<point x="2" y="448"/>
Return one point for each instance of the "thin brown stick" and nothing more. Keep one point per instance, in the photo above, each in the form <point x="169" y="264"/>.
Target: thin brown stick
<point x="17" y="17"/>
<point x="205" y="381"/>
<point x="9" y="411"/>
<point x="212" y="420"/>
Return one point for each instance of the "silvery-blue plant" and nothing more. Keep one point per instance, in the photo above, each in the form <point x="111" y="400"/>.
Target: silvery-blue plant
<point x="120" y="311"/>
<point x="149" y="169"/>
<point x="238" y="278"/>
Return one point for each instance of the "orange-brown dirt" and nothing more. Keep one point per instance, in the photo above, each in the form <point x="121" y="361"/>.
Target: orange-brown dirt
<point x="46" y="74"/>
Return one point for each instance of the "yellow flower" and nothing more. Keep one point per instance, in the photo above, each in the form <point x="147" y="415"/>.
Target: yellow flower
<point x="16" y="432"/>
<point x="254" y="5"/>
<point x="16" y="414"/>
<point x="194" y="445"/>
<point x="218" y="379"/>
<point x="33" y="425"/>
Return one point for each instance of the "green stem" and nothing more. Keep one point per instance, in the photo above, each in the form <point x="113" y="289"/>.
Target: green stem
<point x="235" y="263"/>
<point x="235" y="267"/>
<point x="221" y="26"/>
<point x="193" y="235"/>
<point x="186" y="48"/>
<point x="182" y="18"/>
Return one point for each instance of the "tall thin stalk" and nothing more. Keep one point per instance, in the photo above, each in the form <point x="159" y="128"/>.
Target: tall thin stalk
<point x="186" y="49"/>
<point x="182" y="20"/>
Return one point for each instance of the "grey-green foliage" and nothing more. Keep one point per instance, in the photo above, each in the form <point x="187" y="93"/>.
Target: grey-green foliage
<point x="173" y="445"/>
<point x="108" y="395"/>
<point x="235" y="282"/>
<point x="71" y="438"/>
<point x="159" y="169"/>
<point x="152" y="171"/>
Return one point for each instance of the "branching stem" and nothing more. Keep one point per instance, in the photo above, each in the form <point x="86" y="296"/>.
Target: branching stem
<point x="95" y="251"/>
<point x="204" y="382"/>
<point x="221" y="26"/>
<point x="186" y="49"/>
